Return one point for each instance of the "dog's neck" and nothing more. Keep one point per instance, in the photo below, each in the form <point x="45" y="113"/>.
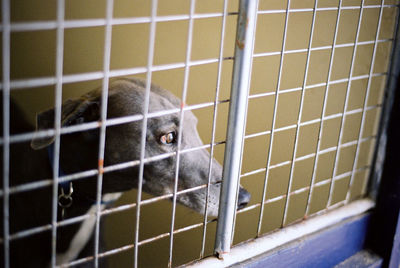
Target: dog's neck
<point x="64" y="185"/>
<point x="66" y="189"/>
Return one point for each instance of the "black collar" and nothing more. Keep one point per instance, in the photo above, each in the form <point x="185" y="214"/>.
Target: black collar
<point x="65" y="186"/>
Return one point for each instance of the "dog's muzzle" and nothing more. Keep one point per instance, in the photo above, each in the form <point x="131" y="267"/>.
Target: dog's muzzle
<point x="243" y="198"/>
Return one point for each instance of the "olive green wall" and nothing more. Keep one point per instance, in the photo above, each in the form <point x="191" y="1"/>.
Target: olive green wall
<point x="33" y="55"/>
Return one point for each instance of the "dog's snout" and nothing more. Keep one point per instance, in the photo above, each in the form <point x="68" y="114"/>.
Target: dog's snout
<point x="243" y="198"/>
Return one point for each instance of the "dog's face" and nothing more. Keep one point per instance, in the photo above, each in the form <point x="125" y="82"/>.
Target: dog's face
<point x="123" y="144"/>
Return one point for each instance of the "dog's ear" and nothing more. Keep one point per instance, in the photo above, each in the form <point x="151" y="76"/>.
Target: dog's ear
<point x="73" y="112"/>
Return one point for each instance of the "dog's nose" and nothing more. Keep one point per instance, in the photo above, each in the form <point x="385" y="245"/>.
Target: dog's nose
<point x="243" y="198"/>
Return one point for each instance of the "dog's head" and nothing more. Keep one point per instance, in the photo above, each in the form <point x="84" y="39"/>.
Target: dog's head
<point x="123" y="144"/>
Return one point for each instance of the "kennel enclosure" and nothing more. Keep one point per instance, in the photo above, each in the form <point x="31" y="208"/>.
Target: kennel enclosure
<point x="316" y="80"/>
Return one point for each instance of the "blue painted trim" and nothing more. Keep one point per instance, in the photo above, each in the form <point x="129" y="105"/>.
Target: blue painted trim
<point x="326" y="248"/>
<point x="395" y="256"/>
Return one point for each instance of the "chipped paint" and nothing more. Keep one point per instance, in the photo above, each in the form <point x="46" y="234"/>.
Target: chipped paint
<point x="101" y="166"/>
<point x="240" y="44"/>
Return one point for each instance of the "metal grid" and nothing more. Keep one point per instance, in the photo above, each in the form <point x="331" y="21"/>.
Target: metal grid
<point x="340" y="145"/>
<point x="60" y="79"/>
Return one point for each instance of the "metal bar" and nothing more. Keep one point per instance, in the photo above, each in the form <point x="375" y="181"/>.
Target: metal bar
<point x="337" y="154"/>
<point x="236" y="124"/>
<point x="57" y="126"/>
<point x="277" y="11"/>
<point x="145" y="113"/>
<point x="360" y="133"/>
<point x="245" y="115"/>
<point x="246" y="110"/>
<point x="274" y="118"/>
<point x="74" y="78"/>
<point x="39" y="229"/>
<point x="299" y="114"/>
<point x="130" y="246"/>
<point x="80" y="23"/>
<point x="163" y="197"/>
<point x="120" y="166"/>
<point x="84" y="23"/>
<point x="328" y="82"/>
<point x="302" y="50"/>
<point x="181" y="126"/>
<point x="6" y="129"/>
<point x="127" y="119"/>
<point x="103" y="118"/>
<point x="220" y="60"/>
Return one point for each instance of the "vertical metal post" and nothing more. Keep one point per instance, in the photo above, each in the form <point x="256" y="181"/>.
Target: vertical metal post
<point x="57" y="126"/>
<point x="364" y="109"/>
<point x="150" y="57"/>
<point x="324" y="109"/>
<point x="220" y="61"/>
<point x="274" y="116"/>
<point x="299" y="117"/>
<point x="181" y="126"/>
<point x="346" y="103"/>
<point x="6" y="40"/>
<point x="103" y="119"/>
<point x="236" y="124"/>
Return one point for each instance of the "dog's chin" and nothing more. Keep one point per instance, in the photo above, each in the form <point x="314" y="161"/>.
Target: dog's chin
<point x="212" y="212"/>
<point x="199" y="206"/>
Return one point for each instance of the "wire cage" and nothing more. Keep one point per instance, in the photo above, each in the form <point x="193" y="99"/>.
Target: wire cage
<point x="288" y="95"/>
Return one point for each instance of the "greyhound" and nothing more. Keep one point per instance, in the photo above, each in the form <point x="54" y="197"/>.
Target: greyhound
<point x="79" y="152"/>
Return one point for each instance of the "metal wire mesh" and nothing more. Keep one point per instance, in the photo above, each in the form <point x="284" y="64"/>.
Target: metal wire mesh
<point x="60" y="79"/>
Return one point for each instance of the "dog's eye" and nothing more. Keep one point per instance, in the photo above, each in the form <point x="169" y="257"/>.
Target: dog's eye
<point x="168" y="138"/>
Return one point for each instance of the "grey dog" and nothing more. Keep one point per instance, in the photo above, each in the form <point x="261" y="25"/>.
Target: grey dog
<point x="79" y="152"/>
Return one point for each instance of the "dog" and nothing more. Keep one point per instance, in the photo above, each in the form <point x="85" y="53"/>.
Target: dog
<point x="79" y="152"/>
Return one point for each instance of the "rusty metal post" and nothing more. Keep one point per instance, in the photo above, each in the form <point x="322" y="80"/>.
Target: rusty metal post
<point x="236" y="124"/>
